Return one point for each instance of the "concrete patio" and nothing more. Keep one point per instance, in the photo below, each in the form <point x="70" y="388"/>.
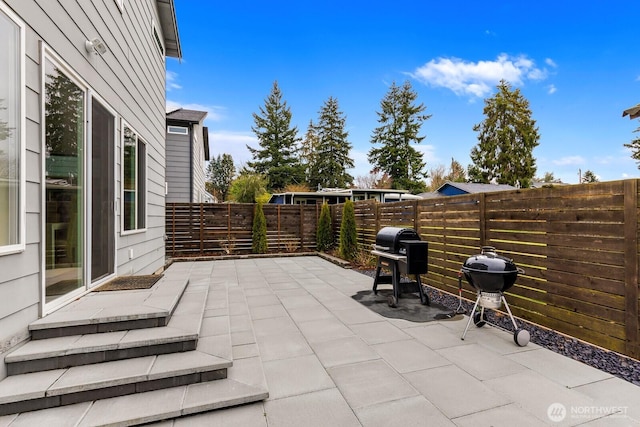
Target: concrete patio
<point x="327" y="360"/>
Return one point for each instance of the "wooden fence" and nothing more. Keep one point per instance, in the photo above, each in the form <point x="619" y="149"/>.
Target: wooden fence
<point x="577" y="244"/>
<point x="206" y="229"/>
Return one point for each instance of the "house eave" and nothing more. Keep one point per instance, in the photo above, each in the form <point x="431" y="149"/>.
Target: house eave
<point x="169" y="24"/>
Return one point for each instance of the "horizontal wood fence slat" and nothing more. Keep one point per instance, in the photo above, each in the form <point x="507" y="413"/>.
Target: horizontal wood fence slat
<point x="578" y="245"/>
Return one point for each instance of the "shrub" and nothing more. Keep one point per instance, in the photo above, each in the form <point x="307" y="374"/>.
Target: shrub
<point x="348" y="248"/>
<point x="259" y="231"/>
<point x="324" y="234"/>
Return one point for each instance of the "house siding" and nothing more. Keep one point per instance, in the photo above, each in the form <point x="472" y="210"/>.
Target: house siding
<point x="198" y="166"/>
<point x="178" y="166"/>
<point x="130" y="78"/>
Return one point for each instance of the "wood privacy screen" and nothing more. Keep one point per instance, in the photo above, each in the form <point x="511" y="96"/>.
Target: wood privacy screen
<point x="578" y="246"/>
<point x="206" y="229"/>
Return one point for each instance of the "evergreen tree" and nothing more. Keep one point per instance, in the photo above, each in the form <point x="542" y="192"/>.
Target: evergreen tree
<point x="309" y="153"/>
<point x="259" y="231"/>
<point x="220" y="173"/>
<point x="324" y="235"/>
<point x="400" y="121"/>
<point x="589" y="177"/>
<point x="332" y="160"/>
<point x="348" y="248"/>
<point x="456" y="172"/>
<point x="507" y="137"/>
<point x="635" y="148"/>
<point x="277" y="158"/>
<point x="64" y="115"/>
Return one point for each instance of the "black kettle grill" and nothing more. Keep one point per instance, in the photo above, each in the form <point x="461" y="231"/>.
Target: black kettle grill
<point x="491" y="275"/>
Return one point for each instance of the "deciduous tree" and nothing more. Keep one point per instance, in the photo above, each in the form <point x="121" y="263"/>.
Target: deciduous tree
<point x="506" y="139"/>
<point x="400" y="121"/>
<point x="247" y="188"/>
<point x="220" y="173"/>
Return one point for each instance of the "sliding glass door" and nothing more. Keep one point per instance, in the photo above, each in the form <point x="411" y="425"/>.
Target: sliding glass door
<point x="79" y="194"/>
<point x="103" y="124"/>
<point x="64" y="183"/>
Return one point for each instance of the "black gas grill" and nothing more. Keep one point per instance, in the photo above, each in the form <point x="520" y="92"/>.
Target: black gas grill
<point x="401" y="251"/>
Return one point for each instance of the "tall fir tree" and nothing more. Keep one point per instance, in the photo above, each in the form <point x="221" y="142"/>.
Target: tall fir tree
<point x="277" y="158"/>
<point x="634" y="146"/>
<point x="507" y="137"/>
<point x="309" y="153"/>
<point x="333" y="149"/>
<point x="400" y="121"/>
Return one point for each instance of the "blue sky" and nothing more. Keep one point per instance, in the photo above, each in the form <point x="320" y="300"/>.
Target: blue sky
<point x="577" y="62"/>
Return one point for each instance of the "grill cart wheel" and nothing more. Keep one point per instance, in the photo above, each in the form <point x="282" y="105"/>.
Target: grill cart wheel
<point x="392" y="301"/>
<point x="479" y="321"/>
<point x="521" y="337"/>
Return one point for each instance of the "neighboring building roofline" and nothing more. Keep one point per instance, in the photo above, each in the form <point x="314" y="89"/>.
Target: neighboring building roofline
<point x="633" y="112"/>
<point x="471" y="188"/>
<point x="186" y="116"/>
<point x="169" y="24"/>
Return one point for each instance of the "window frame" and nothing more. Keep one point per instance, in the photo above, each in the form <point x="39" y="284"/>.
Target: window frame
<point x="157" y="40"/>
<point x="19" y="210"/>
<point x="138" y="192"/>
<point x="173" y="132"/>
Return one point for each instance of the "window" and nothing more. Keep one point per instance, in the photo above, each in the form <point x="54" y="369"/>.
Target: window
<point x="157" y="39"/>
<point x="179" y="130"/>
<point x="134" y="163"/>
<point x="12" y="125"/>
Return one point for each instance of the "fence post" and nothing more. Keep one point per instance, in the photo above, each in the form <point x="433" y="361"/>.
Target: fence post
<point x="482" y="207"/>
<point x="201" y="229"/>
<point x="631" y="266"/>
<point x="301" y="227"/>
<point x="415" y="217"/>
<point x="173" y="233"/>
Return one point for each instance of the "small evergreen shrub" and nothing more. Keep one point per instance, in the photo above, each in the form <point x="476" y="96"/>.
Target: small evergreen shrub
<point x="259" y="231"/>
<point x="348" y="248"/>
<point x="324" y="234"/>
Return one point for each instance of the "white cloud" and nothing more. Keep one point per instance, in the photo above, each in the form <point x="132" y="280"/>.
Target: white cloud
<point x="569" y="160"/>
<point x="478" y="78"/>
<point x="552" y="89"/>
<point x="550" y="62"/>
<point x="171" y="81"/>
<point x="233" y="143"/>
<point x="215" y="113"/>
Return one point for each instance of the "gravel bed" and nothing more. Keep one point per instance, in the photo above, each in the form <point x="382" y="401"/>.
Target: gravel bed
<point x="608" y="361"/>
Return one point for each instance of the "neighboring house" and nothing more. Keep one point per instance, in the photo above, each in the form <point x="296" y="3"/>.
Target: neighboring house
<point x="633" y="112"/>
<point x="187" y="151"/>
<point x="450" y="188"/>
<point x="339" y="195"/>
<point x="82" y="149"/>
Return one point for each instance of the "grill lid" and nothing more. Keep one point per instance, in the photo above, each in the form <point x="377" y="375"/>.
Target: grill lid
<point x="488" y="261"/>
<point x="388" y="238"/>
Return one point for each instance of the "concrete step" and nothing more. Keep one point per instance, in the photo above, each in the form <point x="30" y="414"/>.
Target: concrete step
<point x="143" y="408"/>
<point x="60" y="387"/>
<point x="180" y="334"/>
<point x="110" y="311"/>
